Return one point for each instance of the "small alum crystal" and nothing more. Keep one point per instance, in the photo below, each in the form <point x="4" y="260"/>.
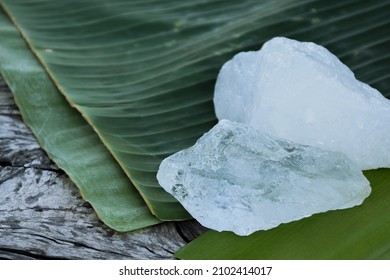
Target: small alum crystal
<point x="237" y="178"/>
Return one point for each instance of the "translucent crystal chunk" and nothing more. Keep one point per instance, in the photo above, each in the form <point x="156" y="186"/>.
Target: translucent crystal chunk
<point x="240" y="179"/>
<point x="302" y="92"/>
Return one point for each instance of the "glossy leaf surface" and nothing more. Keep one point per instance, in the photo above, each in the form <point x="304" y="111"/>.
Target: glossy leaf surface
<point x="67" y="138"/>
<point x="142" y="72"/>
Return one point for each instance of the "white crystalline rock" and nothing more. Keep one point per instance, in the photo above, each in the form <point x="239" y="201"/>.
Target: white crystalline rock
<point x="302" y="92"/>
<point x="236" y="178"/>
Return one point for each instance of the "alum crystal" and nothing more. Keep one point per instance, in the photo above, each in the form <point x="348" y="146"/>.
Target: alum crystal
<point x="237" y="178"/>
<point x="302" y="92"/>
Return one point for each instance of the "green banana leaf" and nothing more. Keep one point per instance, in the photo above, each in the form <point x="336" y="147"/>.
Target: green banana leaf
<point x="361" y="232"/>
<point x="67" y="138"/>
<point x="142" y="72"/>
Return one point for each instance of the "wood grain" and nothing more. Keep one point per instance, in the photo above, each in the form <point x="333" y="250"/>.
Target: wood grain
<point x="43" y="216"/>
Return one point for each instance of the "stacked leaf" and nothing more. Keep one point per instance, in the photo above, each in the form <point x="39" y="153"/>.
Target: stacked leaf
<point x="142" y="73"/>
<point x="67" y="137"/>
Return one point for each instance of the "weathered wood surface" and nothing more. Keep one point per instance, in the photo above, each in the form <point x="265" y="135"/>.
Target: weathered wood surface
<point x="42" y="215"/>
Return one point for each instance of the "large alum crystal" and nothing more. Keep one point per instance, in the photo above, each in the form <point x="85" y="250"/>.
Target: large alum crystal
<point x="302" y="92"/>
<point x="236" y="178"/>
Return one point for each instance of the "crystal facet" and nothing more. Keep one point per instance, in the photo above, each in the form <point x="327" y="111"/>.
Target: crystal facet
<point x="302" y="92"/>
<point x="237" y="178"/>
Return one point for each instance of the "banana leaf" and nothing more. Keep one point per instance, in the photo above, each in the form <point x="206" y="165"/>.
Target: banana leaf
<point x="357" y="233"/>
<point x="67" y="138"/>
<point x="142" y="72"/>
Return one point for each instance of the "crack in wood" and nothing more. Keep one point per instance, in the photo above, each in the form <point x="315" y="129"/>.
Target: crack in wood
<point x="6" y="163"/>
<point x="20" y="254"/>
